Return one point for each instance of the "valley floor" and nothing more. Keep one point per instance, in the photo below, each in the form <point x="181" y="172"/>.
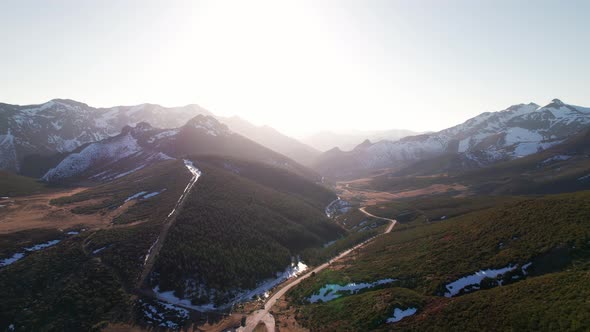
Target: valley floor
<point x="360" y="190"/>
<point x="31" y="212"/>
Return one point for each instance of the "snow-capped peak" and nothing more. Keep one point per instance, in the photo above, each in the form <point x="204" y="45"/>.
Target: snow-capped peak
<point x="555" y="103"/>
<point x="365" y="144"/>
<point x="143" y="126"/>
<point x="211" y="125"/>
<point x="490" y="137"/>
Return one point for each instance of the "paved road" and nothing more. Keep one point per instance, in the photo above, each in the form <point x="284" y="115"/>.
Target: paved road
<point x="263" y="315"/>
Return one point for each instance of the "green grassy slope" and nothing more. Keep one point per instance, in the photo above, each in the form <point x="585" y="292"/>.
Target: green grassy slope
<point x="553" y="233"/>
<point x="16" y="185"/>
<point x="552" y="302"/>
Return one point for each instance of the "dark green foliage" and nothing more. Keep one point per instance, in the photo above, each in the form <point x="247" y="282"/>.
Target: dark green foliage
<point x="362" y="312"/>
<point x="553" y="302"/>
<point x="124" y="249"/>
<point x="316" y="256"/>
<point x="15" y="242"/>
<point x="276" y="178"/>
<point x="552" y="232"/>
<point x="233" y="232"/>
<point x="16" y="185"/>
<point x="354" y="220"/>
<point x="60" y="289"/>
<point x="437" y="208"/>
<point x="36" y="165"/>
<point x="435" y="253"/>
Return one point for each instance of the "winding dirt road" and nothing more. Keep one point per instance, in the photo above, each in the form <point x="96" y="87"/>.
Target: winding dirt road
<point x="264" y="316"/>
<point x="393" y="222"/>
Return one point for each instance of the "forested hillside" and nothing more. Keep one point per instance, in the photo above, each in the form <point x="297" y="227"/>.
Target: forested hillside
<point x="234" y="232"/>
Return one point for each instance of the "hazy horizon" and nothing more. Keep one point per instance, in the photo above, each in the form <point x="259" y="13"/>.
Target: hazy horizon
<point x="300" y="67"/>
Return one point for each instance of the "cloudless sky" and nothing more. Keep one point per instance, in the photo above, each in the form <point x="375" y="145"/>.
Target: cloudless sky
<point x="300" y="66"/>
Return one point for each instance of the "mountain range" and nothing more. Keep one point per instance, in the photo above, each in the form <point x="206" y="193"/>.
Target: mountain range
<point x="36" y="138"/>
<point x="137" y="147"/>
<point x="36" y="134"/>
<point x="117" y="233"/>
<point x="488" y="138"/>
<point x="348" y="140"/>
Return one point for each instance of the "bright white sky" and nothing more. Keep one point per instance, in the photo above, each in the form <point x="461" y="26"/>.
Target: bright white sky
<point x="300" y="66"/>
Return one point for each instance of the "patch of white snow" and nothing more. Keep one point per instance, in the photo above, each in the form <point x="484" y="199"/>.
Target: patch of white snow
<point x="12" y="259"/>
<point x="333" y="291"/>
<point x="475" y="279"/>
<point x="399" y="314"/>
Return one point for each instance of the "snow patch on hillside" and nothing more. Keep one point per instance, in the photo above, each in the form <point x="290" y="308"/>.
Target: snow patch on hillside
<point x="490" y="137"/>
<point x="135" y="196"/>
<point x="144" y="195"/>
<point x="43" y="245"/>
<point x="152" y="194"/>
<point x="518" y="135"/>
<point x="261" y="290"/>
<point x="291" y="271"/>
<point x="333" y="291"/>
<point x="164" y="134"/>
<point x="8" y="159"/>
<point x="209" y="124"/>
<point x="399" y="314"/>
<point x="64" y="145"/>
<point x="19" y="255"/>
<point x="12" y="259"/>
<point x="164" y="314"/>
<point x="475" y="279"/>
<point x="107" y="151"/>
<point x="337" y="207"/>
<point x="560" y="157"/>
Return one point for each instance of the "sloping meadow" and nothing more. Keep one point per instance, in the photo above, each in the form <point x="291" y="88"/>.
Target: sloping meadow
<point x="453" y="266"/>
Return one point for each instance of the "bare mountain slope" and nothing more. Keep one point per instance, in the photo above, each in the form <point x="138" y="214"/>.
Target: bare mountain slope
<point x="347" y="140"/>
<point x="142" y="145"/>
<point x="62" y="125"/>
<point x="273" y="139"/>
<point x="518" y="131"/>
